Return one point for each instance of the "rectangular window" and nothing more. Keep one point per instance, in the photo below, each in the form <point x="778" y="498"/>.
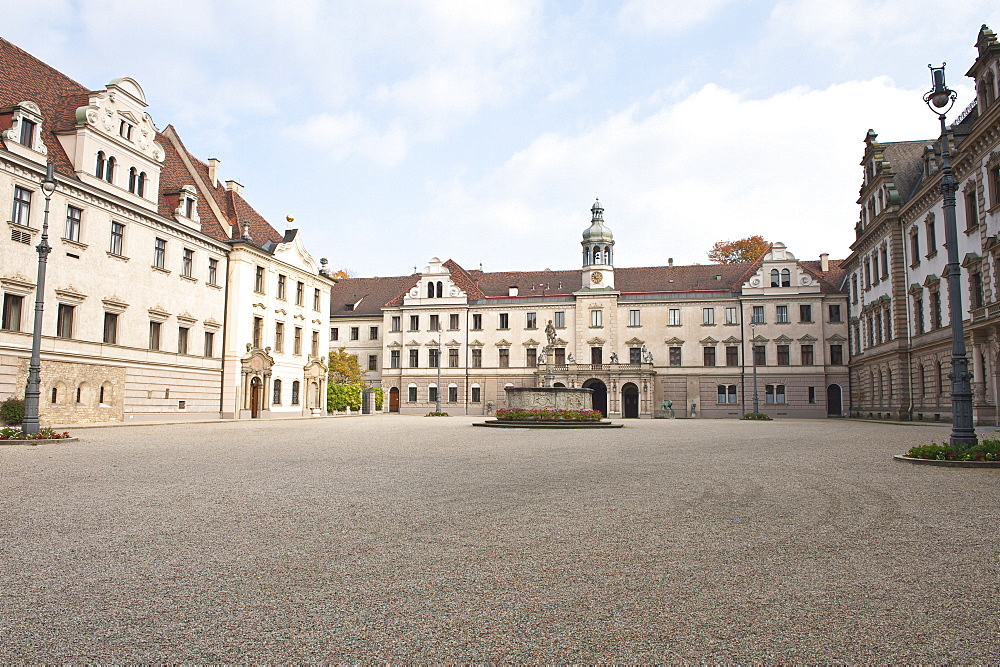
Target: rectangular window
<point x="453" y="358"/>
<point x="12" y="306"/>
<point x="213" y="271"/>
<point x="783" y="356"/>
<point x="971" y="210"/>
<point x="675" y="356"/>
<point x="758" y="315"/>
<point x="731" y="317"/>
<point x="297" y="341"/>
<point x="935" y="311"/>
<point x="355" y="333"/>
<point x="504" y="357"/>
<point x="931" y="238"/>
<point x="782" y="315"/>
<point x="314" y="347"/>
<point x="732" y="355"/>
<point x="807" y="355"/>
<point x="281" y="286"/>
<point x="27" y="133"/>
<point x="834" y="312"/>
<point x="477" y="395"/>
<point x="759" y="355"/>
<point x="117" y="239"/>
<point x="531" y="320"/>
<point x="597" y="318"/>
<point x="334" y="333"/>
<point x="914" y="248"/>
<point x="300" y="293"/>
<point x="432" y="394"/>
<point x="393" y="358"/>
<point x="21" y="214"/>
<point x="597" y="355"/>
<point x="396" y="323"/>
<point x="316" y="298"/>
<point x="531" y="357"/>
<point x="504" y="321"/>
<point x="258" y="280"/>
<point x="709" y="356"/>
<point x="433" y="357"/>
<point x="477" y="322"/>
<point x="154" y="335"/>
<point x="453" y="321"/>
<point x="209" y="344"/>
<point x="187" y="263"/>
<point x="414" y="322"/>
<point x="73" y="217"/>
<point x="414" y="358"/>
<point x="775" y="393"/>
<point x="635" y="355"/>
<point x="453" y="394"/>
<point x="477" y="357"/>
<point x="258" y="332"/>
<point x="884" y="254"/>
<point x="560" y="320"/>
<point x="373" y="362"/>
<point x="560" y="355"/>
<point x="805" y="313"/>
<point x="633" y="318"/>
<point x="837" y="355"/>
<point x="411" y="394"/>
<point x="279" y="337"/>
<point x="435" y="323"/>
<point x="708" y="315"/>
<point x="674" y="317"/>
<point x="812" y="395"/>
<point x="160" y="253"/>
<point x="726" y="393"/>
<point x="182" y="340"/>
<point x="372" y="333"/>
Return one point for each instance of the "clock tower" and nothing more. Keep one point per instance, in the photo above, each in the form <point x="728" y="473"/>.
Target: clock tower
<point x="598" y="252"/>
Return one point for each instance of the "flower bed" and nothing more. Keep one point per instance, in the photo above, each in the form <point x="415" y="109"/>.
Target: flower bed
<point x="12" y="433"/>
<point x="987" y="450"/>
<point x="548" y="415"/>
<point x="756" y="416"/>
<point x="437" y="414"/>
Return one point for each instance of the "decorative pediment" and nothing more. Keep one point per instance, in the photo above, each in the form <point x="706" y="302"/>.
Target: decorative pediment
<point x="807" y="339"/>
<point x="280" y="311"/>
<point x="674" y="341"/>
<point x="17" y="284"/>
<point x="316" y="321"/>
<point x="531" y="342"/>
<point x="299" y="316"/>
<point x="260" y="305"/>
<point x="783" y="339"/>
<point x="759" y="339"/>
<point x="836" y="338"/>
<point x="315" y="367"/>
<point x="453" y="343"/>
<point x="476" y="343"/>
<point x="915" y="289"/>
<point x="395" y="344"/>
<point x="211" y="324"/>
<point x="413" y="343"/>
<point x="71" y="296"/>
<point x="708" y="341"/>
<point x="931" y="280"/>
<point x="503" y="342"/>
<point x="559" y="342"/>
<point x="732" y="340"/>
<point x="30" y="112"/>
<point x="992" y="243"/>
<point x="186" y="318"/>
<point x="124" y="101"/>
<point x="432" y="343"/>
<point x="596" y="341"/>
<point x="113" y="304"/>
<point x="971" y="259"/>
<point x="158" y="314"/>
<point x="635" y="342"/>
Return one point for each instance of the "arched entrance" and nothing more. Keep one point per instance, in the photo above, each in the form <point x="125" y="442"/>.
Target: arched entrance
<point x="394" y="399"/>
<point x="833" y="402"/>
<point x="630" y="401"/>
<point x="255" y="397"/>
<point x="558" y="384"/>
<point x="600" y="396"/>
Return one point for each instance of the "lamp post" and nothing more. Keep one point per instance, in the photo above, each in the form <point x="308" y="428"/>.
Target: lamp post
<point x="753" y="353"/>
<point x="437" y="394"/>
<point x="30" y="424"/>
<point x="940" y="100"/>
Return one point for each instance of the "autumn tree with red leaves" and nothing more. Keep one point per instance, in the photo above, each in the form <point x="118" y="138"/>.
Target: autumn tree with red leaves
<point x="749" y="249"/>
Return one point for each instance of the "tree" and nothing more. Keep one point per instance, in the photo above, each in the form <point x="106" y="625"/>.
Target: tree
<point x="343" y="368"/>
<point x="342" y="274"/>
<point x="749" y="249"/>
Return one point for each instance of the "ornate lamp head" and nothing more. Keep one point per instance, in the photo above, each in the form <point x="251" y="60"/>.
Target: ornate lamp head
<point x="940" y="98"/>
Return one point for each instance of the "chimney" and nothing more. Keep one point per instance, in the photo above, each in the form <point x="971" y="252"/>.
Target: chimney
<point x="670" y="261"/>
<point x="233" y="186"/>
<point x="213" y="171"/>
<point x="512" y="290"/>
<point x="824" y="262"/>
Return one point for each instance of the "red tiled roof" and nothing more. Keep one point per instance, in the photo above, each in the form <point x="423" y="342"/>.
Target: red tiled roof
<point x="373" y="294"/>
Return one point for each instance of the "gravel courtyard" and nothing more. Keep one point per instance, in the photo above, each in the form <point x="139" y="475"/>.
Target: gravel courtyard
<point x="397" y="539"/>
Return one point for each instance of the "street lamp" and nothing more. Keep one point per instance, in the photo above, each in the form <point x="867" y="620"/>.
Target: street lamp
<point x="753" y="353"/>
<point x="940" y="99"/>
<point x="30" y="424"/>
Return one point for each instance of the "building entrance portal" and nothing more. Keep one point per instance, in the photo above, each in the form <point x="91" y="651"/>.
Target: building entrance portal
<point x="254" y="398"/>
<point x="630" y="401"/>
<point x="394" y="399"/>
<point x="600" y="397"/>
<point x="833" y="406"/>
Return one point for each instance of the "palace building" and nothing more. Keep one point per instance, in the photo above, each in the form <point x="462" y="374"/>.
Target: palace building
<point x="639" y="337"/>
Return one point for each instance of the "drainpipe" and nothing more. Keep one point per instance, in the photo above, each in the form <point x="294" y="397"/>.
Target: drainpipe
<point x="225" y="326"/>
<point x="743" y="358"/>
<point x="909" y="332"/>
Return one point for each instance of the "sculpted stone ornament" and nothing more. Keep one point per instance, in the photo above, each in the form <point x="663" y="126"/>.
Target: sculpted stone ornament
<point x="614" y="357"/>
<point x="571" y="359"/>
<point x="550" y="333"/>
<point x="647" y="356"/>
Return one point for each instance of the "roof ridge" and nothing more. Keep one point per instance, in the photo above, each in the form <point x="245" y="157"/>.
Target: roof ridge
<point x="50" y="68"/>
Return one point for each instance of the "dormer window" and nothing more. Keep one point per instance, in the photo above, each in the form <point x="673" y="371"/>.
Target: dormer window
<point x="786" y="278"/>
<point x="125" y="130"/>
<point x="25" y="127"/>
<point x="27" y="133"/>
<point x="189" y="207"/>
<point x="187" y="203"/>
<point x="775" y="278"/>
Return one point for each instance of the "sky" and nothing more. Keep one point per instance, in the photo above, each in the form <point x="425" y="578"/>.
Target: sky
<point x="395" y="131"/>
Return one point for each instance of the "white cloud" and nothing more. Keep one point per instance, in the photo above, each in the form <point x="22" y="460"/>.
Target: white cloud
<point x="348" y="135"/>
<point x="669" y="16"/>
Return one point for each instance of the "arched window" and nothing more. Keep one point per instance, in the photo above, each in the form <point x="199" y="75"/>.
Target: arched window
<point x="109" y="171"/>
<point x="440" y="289"/>
<point x="607" y="254"/>
<point x="775" y="278"/>
<point x="430" y="290"/>
<point x="99" y="171"/>
<point x="131" y="179"/>
<point x="141" y="186"/>
<point x="786" y="278"/>
<point x="295" y="392"/>
<point x="277" y="392"/>
<point x="597" y="254"/>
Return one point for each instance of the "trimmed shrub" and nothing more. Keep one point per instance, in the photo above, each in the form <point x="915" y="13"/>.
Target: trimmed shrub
<point x="437" y="414"/>
<point x="379" y="397"/>
<point x="343" y="396"/>
<point x="12" y="411"/>
<point x="756" y="416"/>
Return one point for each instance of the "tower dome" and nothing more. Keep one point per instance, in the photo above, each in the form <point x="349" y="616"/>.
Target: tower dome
<point x="597" y="232"/>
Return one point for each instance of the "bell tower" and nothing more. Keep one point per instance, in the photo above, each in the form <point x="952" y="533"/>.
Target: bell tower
<point x="598" y="252"/>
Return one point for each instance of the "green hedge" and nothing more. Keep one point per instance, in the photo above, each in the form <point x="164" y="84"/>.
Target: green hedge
<point x="12" y="411"/>
<point x="343" y="396"/>
<point x="379" y="397"/>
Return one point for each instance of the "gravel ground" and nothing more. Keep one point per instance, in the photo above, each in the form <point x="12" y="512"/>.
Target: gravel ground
<point x="394" y="538"/>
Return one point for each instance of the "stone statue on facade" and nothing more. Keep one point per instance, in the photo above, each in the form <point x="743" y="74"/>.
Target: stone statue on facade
<point x="614" y="357"/>
<point x="550" y="333"/>
<point x="570" y="358"/>
<point x="647" y="356"/>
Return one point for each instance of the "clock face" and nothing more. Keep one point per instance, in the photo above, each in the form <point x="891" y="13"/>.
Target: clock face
<point x="596" y="277"/>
